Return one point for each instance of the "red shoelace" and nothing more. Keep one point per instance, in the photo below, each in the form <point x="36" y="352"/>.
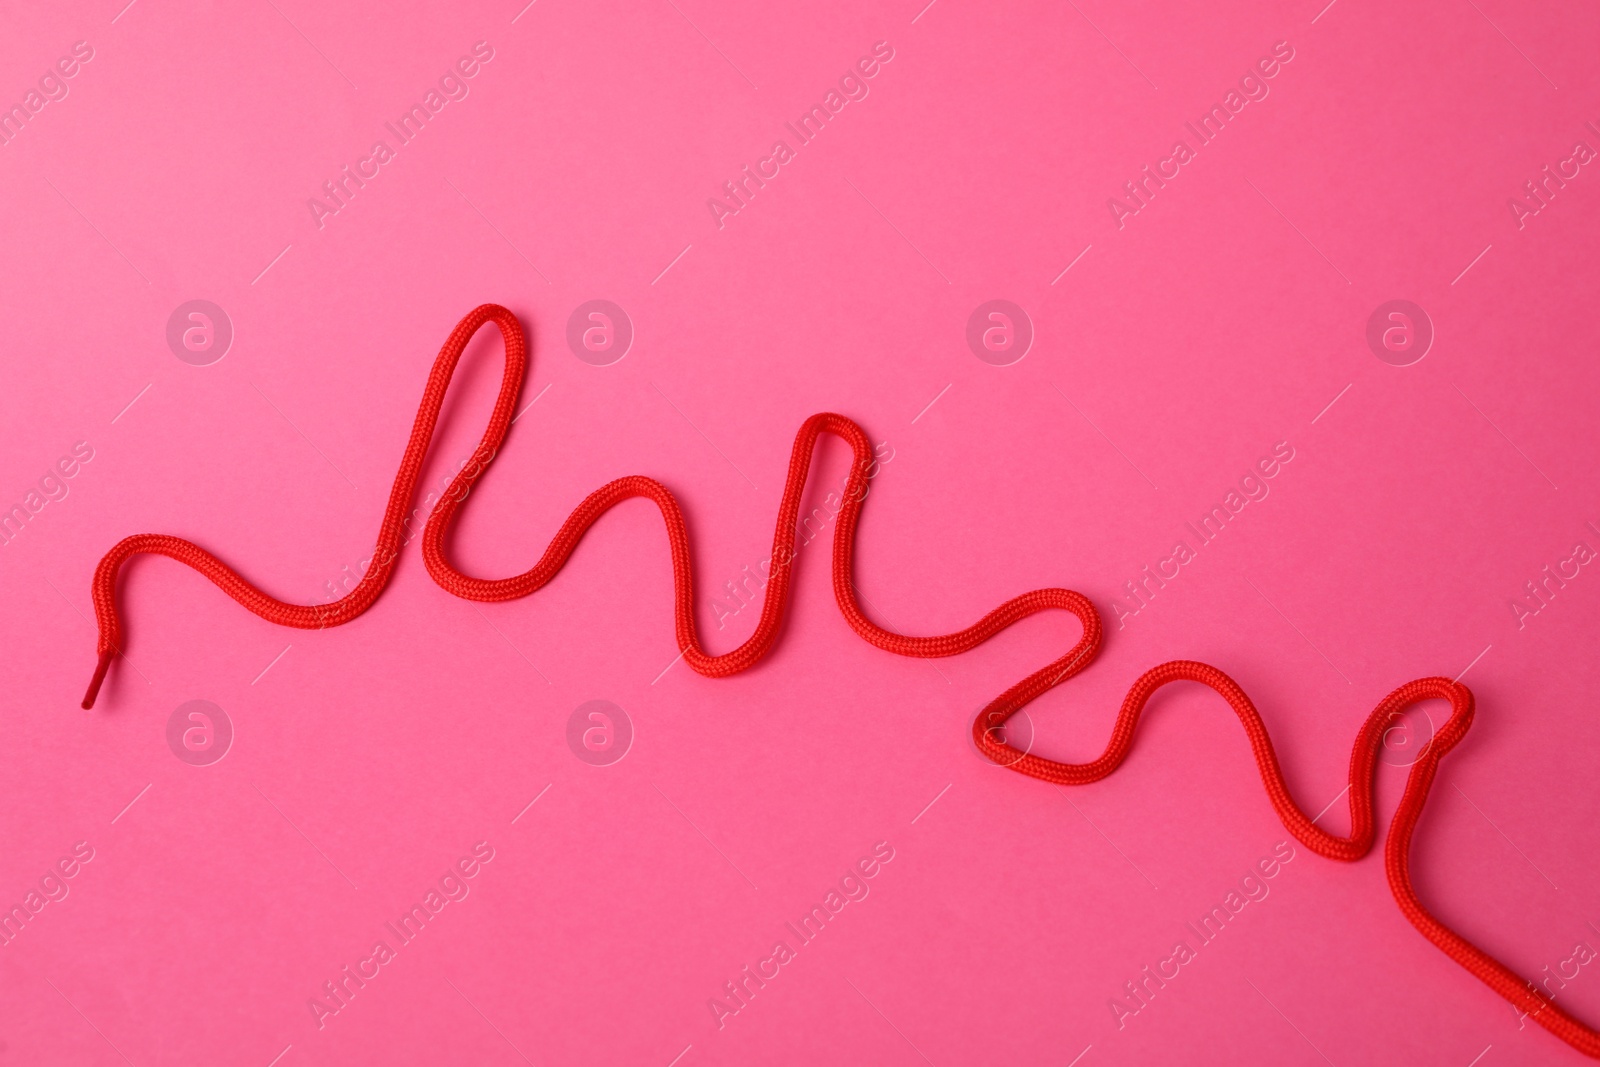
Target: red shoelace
<point x="987" y="732"/>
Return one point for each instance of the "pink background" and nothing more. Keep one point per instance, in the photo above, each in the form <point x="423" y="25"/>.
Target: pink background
<point x="1223" y="318"/>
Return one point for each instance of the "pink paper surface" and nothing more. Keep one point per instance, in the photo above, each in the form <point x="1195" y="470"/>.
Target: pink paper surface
<point x="1172" y="348"/>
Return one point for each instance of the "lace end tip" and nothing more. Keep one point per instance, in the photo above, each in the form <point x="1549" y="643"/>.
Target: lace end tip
<point x="99" y="676"/>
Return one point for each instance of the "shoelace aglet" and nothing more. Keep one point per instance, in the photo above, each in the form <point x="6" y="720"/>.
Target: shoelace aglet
<point x="99" y="676"/>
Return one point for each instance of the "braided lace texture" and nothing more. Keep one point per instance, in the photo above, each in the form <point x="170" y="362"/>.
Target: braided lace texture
<point x="987" y="728"/>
